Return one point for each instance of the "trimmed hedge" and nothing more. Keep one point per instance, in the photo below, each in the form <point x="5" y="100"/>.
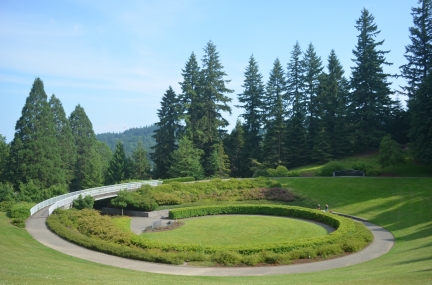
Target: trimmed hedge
<point x="89" y="229"/>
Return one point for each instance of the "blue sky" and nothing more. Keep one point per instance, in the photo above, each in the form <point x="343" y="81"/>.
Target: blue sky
<point x="117" y="58"/>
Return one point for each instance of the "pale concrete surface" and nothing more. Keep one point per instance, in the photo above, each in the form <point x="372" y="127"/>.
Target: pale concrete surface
<point x="35" y="225"/>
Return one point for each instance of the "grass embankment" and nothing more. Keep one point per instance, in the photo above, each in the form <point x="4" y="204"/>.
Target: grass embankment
<point x="411" y="168"/>
<point x="402" y="205"/>
<point x="238" y="230"/>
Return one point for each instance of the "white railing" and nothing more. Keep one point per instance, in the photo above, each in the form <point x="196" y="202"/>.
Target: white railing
<point x="65" y="199"/>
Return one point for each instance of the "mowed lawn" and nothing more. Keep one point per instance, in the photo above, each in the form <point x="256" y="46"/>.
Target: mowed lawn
<point x="402" y="205"/>
<point x="238" y="230"/>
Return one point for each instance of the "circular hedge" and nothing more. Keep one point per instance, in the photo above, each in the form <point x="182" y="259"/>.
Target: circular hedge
<point x="89" y="229"/>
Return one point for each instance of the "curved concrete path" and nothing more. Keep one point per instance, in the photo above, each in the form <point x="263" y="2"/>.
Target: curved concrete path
<point x="35" y="225"/>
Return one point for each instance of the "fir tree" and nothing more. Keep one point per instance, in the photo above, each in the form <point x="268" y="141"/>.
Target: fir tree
<point x="370" y="89"/>
<point x="191" y="101"/>
<point x="166" y="135"/>
<point x="66" y="145"/>
<point x="140" y="163"/>
<point x="117" y="166"/>
<point x="234" y="145"/>
<point x="296" y="110"/>
<point x="419" y="52"/>
<point x="252" y="100"/>
<point x="274" y="139"/>
<point x="4" y="153"/>
<point x="213" y="89"/>
<point x="220" y="161"/>
<point x="85" y="141"/>
<point x="105" y="155"/>
<point x="420" y="133"/>
<point x="186" y="161"/>
<point x="34" y="153"/>
<point x="312" y="68"/>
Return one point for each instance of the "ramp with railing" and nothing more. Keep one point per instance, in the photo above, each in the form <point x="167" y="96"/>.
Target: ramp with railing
<point x="98" y="193"/>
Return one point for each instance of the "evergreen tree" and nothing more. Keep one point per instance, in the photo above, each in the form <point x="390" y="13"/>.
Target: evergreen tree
<point x="186" y="161"/>
<point x="399" y="122"/>
<point x="312" y="68"/>
<point x="419" y="52"/>
<point x="420" y="133"/>
<point x="93" y="170"/>
<point x="191" y="100"/>
<point x="213" y="89"/>
<point x="105" y="155"/>
<point x="166" y="135"/>
<point x="66" y="145"/>
<point x="390" y="153"/>
<point x="220" y="161"/>
<point x="235" y="149"/>
<point x="296" y="110"/>
<point x="274" y="140"/>
<point x="140" y="162"/>
<point x="34" y="153"/>
<point x="117" y="167"/>
<point x="252" y="100"/>
<point x="370" y="89"/>
<point x="4" y="153"/>
<point x="85" y="141"/>
<point x="332" y="110"/>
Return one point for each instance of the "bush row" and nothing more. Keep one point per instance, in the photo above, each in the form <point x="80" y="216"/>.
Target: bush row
<point x="179" y="179"/>
<point x="334" y="165"/>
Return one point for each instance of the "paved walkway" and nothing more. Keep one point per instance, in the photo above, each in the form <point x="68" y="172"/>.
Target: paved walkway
<point x="35" y="225"/>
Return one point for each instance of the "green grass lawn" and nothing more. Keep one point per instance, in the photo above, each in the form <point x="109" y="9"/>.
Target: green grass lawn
<point x="238" y="230"/>
<point x="402" y="205"/>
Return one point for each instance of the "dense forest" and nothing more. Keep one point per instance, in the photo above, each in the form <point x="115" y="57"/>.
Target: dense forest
<point x="308" y="111"/>
<point x="129" y="138"/>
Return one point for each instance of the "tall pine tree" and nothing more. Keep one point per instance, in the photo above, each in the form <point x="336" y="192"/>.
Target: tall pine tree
<point x="274" y="148"/>
<point x="117" y="166"/>
<point x="297" y="152"/>
<point x="167" y="134"/>
<point x="186" y="160"/>
<point x="234" y="145"/>
<point x="370" y="100"/>
<point x="213" y="91"/>
<point x="66" y="145"/>
<point x="252" y="101"/>
<point x="312" y="68"/>
<point x="34" y="153"/>
<point x="140" y="163"/>
<point x="419" y="52"/>
<point x="87" y="167"/>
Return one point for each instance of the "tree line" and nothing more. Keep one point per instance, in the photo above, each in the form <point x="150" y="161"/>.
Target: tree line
<point x="308" y="112"/>
<point x="51" y="154"/>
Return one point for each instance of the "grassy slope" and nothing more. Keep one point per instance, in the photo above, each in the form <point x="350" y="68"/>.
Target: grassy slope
<point x="402" y="205"/>
<point x="224" y="230"/>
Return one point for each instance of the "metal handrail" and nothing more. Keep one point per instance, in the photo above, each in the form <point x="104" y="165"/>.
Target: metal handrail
<point x="62" y="200"/>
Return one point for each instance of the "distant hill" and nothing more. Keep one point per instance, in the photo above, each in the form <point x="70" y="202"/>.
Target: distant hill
<point x="129" y="138"/>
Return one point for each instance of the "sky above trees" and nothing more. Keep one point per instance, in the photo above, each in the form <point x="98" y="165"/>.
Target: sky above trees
<point x="117" y="59"/>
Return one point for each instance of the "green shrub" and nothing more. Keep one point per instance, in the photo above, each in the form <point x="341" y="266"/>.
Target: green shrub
<point x="83" y="203"/>
<point x="372" y="172"/>
<point x="179" y="179"/>
<point x="5" y="206"/>
<point x="18" y="222"/>
<point x="227" y="258"/>
<point x="280" y="171"/>
<point x="330" y="167"/>
<point x="261" y="173"/>
<point x="252" y="259"/>
<point x="21" y="210"/>
<point x="362" y="166"/>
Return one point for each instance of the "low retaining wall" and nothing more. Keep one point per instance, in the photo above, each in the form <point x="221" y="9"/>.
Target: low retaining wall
<point x="153" y="214"/>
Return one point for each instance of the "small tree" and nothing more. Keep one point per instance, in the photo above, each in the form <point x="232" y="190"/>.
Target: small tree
<point x="122" y="200"/>
<point x="83" y="203"/>
<point x="390" y="153"/>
